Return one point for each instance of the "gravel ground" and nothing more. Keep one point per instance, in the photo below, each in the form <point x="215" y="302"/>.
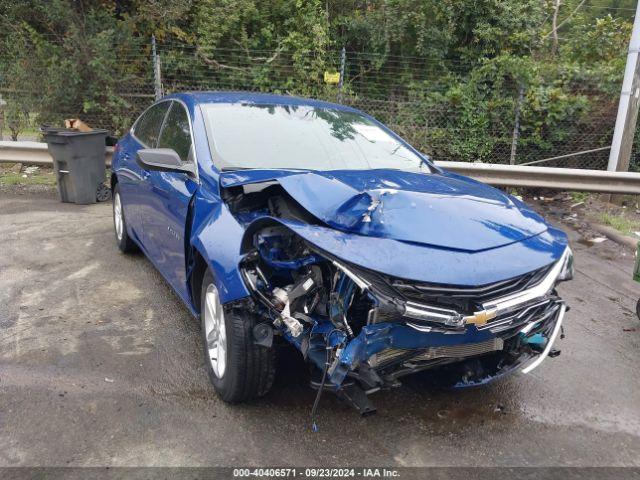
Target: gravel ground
<point x="100" y="365"/>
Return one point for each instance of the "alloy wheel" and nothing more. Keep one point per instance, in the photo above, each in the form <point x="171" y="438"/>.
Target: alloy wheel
<point x="117" y="216"/>
<point x="215" y="331"/>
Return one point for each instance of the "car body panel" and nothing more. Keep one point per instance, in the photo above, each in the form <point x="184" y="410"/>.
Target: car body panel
<point x="217" y="236"/>
<point x="431" y="209"/>
<point x="434" y="265"/>
<point x="130" y="178"/>
<point x="167" y="205"/>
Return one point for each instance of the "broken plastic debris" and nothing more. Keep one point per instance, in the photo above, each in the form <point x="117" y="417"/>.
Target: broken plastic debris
<point x="597" y="239"/>
<point x="108" y="380"/>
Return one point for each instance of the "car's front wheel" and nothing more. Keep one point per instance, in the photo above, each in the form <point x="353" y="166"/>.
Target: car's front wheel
<point x="125" y="243"/>
<point x="239" y="369"/>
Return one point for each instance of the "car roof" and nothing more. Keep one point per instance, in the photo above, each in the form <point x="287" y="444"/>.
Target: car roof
<point x="197" y="98"/>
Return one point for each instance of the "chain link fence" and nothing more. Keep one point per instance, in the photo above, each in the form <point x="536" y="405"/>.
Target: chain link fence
<point x="445" y="109"/>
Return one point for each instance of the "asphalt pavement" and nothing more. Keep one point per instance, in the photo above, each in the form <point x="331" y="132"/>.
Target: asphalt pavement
<point x="100" y="365"/>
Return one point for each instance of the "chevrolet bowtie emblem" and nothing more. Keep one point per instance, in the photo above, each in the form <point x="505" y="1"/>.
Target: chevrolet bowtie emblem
<point x="481" y="317"/>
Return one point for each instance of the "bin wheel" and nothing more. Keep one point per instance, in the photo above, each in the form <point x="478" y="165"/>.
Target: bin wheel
<point x="103" y="193"/>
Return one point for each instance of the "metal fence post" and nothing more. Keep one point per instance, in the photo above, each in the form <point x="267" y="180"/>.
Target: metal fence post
<point x="157" y="74"/>
<point x="516" y="127"/>
<point x="343" y="55"/>
<point x="2" y="105"/>
<point x="625" y="128"/>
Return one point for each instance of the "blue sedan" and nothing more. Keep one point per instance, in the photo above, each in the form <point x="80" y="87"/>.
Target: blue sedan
<point x="288" y="221"/>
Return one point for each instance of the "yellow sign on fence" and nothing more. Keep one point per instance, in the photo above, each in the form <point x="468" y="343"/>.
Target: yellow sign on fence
<point x="332" y="78"/>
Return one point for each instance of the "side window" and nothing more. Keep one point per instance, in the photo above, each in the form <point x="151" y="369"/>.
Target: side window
<point x="147" y="128"/>
<point x="176" y="133"/>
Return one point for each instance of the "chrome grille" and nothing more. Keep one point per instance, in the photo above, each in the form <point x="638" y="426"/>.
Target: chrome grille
<point x="467" y="298"/>
<point x="538" y="311"/>
<point x="449" y="351"/>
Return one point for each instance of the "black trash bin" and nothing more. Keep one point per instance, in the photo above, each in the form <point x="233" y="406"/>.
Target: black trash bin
<point x="78" y="162"/>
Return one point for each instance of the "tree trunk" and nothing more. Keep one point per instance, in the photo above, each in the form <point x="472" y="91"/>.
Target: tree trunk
<point x="554" y="29"/>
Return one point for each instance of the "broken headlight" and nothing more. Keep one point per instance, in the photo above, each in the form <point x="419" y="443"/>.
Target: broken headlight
<point x="566" y="273"/>
<point x="428" y="313"/>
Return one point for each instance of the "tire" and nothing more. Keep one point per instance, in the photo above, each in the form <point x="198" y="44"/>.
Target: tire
<point x="249" y="369"/>
<point x="124" y="241"/>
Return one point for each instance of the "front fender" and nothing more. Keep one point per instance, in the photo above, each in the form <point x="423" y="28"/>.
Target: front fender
<point x="217" y="235"/>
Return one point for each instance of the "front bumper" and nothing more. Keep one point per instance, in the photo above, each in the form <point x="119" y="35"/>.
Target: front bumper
<point x="557" y="327"/>
<point x="387" y="351"/>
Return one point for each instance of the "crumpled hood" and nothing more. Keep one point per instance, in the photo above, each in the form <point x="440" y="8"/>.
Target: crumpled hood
<point x="440" y="210"/>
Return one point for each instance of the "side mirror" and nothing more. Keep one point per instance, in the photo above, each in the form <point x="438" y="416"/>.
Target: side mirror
<point x="163" y="160"/>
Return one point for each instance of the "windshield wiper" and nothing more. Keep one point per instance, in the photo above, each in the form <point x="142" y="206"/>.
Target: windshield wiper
<point x="231" y="169"/>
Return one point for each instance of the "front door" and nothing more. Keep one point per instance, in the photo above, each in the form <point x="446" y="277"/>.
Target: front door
<point x="169" y="194"/>
<point x="132" y="178"/>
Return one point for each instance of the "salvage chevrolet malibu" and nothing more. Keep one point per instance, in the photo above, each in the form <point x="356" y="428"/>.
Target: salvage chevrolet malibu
<point x="282" y="220"/>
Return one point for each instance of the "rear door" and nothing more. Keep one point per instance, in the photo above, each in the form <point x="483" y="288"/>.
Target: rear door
<point x="131" y="177"/>
<point x="168" y="200"/>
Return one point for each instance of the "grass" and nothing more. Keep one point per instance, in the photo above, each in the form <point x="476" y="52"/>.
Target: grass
<point x="42" y="176"/>
<point x="577" y="197"/>
<point x="35" y="179"/>
<point x="621" y="223"/>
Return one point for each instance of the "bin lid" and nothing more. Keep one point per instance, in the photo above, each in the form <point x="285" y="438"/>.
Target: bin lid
<point x="68" y="132"/>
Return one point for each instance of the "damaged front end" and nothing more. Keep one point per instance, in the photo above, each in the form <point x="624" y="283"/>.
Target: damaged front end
<point x="362" y="330"/>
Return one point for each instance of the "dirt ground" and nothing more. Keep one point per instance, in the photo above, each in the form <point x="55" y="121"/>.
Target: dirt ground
<point x="100" y="365"/>
<point x="581" y="210"/>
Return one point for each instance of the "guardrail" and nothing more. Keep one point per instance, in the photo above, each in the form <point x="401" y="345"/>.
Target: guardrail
<point x="33" y="153"/>
<point x="36" y="153"/>
<point x="575" y="179"/>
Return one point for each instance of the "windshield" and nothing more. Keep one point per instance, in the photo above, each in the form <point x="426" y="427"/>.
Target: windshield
<point x="302" y="137"/>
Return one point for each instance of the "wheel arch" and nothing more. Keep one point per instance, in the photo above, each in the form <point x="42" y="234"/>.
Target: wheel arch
<point x="214" y="238"/>
<point x="196" y="276"/>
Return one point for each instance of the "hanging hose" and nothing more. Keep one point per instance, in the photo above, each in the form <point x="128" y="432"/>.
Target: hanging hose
<point x="316" y="403"/>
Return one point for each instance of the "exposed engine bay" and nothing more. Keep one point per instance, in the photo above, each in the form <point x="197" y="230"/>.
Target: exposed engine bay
<point x="360" y="330"/>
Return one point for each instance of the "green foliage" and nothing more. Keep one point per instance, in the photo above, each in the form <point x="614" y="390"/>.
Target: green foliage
<point x="16" y="119"/>
<point x="265" y="39"/>
<point x="602" y="40"/>
<point x="450" y="72"/>
<point x="64" y="59"/>
<point x="578" y="197"/>
<point x="620" y="222"/>
<point x="464" y="30"/>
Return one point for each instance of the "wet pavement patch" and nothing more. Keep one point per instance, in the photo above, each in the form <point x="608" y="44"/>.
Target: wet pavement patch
<point x="100" y="364"/>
